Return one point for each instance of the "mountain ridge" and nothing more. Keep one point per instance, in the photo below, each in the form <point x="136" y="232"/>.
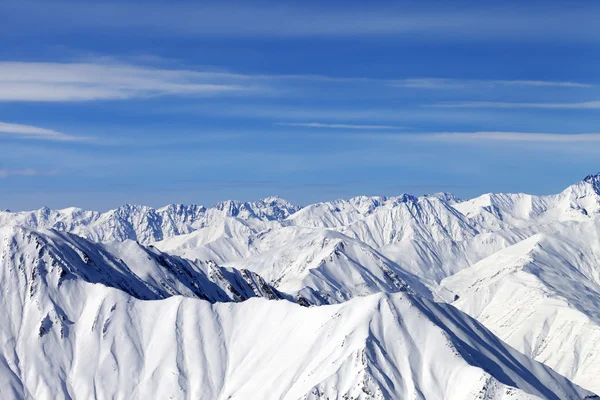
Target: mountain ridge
<point x="524" y="266"/>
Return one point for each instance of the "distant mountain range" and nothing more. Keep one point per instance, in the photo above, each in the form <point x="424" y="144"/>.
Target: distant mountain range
<point x="432" y="297"/>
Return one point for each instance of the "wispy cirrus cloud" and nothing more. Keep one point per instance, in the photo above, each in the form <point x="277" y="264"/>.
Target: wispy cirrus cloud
<point x="585" y="105"/>
<point x="47" y="82"/>
<point x="456" y="84"/>
<point x="34" y="132"/>
<point x="5" y="173"/>
<point x="496" y="136"/>
<point x="518" y="137"/>
<point x="337" y="126"/>
<point x="105" y="78"/>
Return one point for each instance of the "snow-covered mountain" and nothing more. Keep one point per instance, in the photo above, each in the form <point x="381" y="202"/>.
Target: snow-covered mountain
<point x="147" y="224"/>
<point x="527" y="267"/>
<point x="83" y="340"/>
<point x="325" y="267"/>
<point x="542" y="296"/>
<point x="578" y="202"/>
<point x="404" y="222"/>
<point x="45" y="260"/>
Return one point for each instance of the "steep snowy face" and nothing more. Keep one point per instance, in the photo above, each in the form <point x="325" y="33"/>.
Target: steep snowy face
<point x="542" y="296"/>
<point x="594" y="181"/>
<point x="421" y="219"/>
<point x="32" y="260"/>
<point x="322" y="266"/>
<point x="82" y="340"/>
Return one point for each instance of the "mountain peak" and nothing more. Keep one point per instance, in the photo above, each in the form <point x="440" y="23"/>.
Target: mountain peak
<point x="278" y="201"/>
<point x="275" y="199"/>
<point x="593" y="180"/>
<point x="445" y="196"/>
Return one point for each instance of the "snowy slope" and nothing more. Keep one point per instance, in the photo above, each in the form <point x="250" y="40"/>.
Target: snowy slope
<point x="542" y="296"/>
<point x="83" y="340"/>
<point x="225" y="240"/>
<point x="324" y="266"/>
<point x="578" y="202"/>
<point x="318" y="265"/>
<point x="332" y="214"/>
<point x="525" y="266"/>
<point x="397" y="226"/>
<point x="498" y="221"/>
<point x="420" y="219"/>
<point x="42" y="259"/>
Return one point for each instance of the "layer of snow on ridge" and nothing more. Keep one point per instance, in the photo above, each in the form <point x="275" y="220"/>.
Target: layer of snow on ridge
<point x="47" y="259"/>
<point x="146" y="224"/>
<point x="542" y="296"/>
<point x="423" y="219"/>
<point x="525" y="266"/>
<point x="323" y="266"/>
<point x="406" y="221"/>
<point x="578" y="202"/>
<point x="338" y="213"/>
<point x="449" y="198"/>
<point x="225" y="240"/>
<point x="83" y="340"/>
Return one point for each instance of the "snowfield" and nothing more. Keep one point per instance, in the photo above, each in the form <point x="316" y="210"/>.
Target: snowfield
<point x="404" y="297"/>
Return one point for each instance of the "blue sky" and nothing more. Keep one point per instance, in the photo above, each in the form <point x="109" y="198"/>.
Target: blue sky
<point x="155" y="102"/>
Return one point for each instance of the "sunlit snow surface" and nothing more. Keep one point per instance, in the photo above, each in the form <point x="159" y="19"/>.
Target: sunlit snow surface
<point x="344" y="299"/>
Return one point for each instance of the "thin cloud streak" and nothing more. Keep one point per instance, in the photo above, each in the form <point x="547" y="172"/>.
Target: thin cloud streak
<point x="586" y="105"/>
<point x="449" y="84"/>
<point x="109" y="79"/>
<point x="5" y="173"/>
<point x="503" y="137"/>
<point x="31" y="81"/>
<point x="337" y="126"/>
<point x="34" y="132"/>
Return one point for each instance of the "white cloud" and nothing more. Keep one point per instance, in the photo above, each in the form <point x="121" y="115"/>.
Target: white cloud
<point x="447" y="83"/>
<point x="5" y="173"/>
<point x="586" y="105"/>
<point x="34" y="132"/>
<point x="543" y="83"/>
<point x="109" y="79"/>
<point x="32" y="81"/>
<point x="508" y="137"/>
<point x="338" y="126"/>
